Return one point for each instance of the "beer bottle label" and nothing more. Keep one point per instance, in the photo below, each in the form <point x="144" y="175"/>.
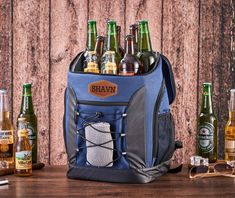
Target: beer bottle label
<point x="6" y="136"/>
<point x="6" y="151"/>
<point x="31" y="134"/>
<point x="205" y="137"/>
<point x="23" y="133"/>
<point x="23" y="160"/>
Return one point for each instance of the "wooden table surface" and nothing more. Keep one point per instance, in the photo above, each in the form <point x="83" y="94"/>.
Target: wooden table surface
<point x="52" y="182"/>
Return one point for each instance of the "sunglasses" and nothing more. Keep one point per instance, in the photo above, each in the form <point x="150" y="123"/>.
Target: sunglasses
<point x="221" y="168"/>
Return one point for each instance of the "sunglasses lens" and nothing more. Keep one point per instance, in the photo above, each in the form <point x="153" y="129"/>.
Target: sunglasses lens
<point x="223" y="168"/>
<point x="198" y="169"/>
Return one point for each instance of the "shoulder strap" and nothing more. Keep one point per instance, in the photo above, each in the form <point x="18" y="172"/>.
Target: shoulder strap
<point x="169" y="78"/>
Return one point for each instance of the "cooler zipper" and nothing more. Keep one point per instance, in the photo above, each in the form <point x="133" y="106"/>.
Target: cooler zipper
<point x="99" y="103"/>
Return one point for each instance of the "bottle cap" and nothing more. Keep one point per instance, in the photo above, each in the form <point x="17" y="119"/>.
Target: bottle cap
<point x="134" y="26"/>
<point x="27" y="85"/>
<point x="129" y="37"/>
<point x="91" y="21"/>
<point x="143" y="21"/>
<point x="100" y="38"/>
<point x="207" y="84"/>
<point x="111" y="22"/>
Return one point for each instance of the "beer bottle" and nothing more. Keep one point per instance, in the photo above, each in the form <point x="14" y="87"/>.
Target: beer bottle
<point x="206" y="141"/>
<point x="130" y="64"/>
<point x="27" y="112"/>
<point x="109" y="65"/>
<point x="99" y="47"/>
<point x="91" y="35"/>
<point x="91" y="64"/>
<point x="230" y="130"/>
<point x="6" y="133"/>
<point x="134" y="33"/>
<point x="145" y="53"/>
<point x="23" y="150"/>
<point x="121" y="50"/>
<point x="111" y="44"/>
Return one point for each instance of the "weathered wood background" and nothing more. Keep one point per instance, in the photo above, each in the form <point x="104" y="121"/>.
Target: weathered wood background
<point x="38" y="39"/>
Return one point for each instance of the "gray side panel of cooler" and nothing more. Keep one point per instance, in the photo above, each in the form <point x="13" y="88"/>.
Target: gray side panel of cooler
<point x="135" y="130"/>
<point x="71" y="125"/>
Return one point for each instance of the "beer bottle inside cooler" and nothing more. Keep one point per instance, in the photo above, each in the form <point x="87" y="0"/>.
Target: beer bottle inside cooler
<point x="91" y="35"/>
<point x="230" y="130"/>
<point x="145" y="53"/>
<point x="91" y="62"/>
<point x="134" y="33"/>
<point x="6" y="133"/>
<point x="130" y="64"/>
<point x="109" y="65"/>
<point x="111" y="46"/>
<point x="27" y="112"/>
<point x="121" y="50"/>
<point x="23" y="150"/>
<point x="206" y="140"/>
<point x="99" y="48"/>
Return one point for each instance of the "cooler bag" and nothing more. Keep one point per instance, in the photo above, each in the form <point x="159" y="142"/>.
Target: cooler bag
<point x="119" y="128"/>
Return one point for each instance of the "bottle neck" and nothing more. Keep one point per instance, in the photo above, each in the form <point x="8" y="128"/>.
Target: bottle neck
<point x="112" y="44"/>
<point x="27" y="103"/>
<point x="232" y="116"/>
<point x="206" y="107"/>
<point x="144" y="39"/>
<point x="129" y="46"/>
<point x="4" y="107"/>
<point x="99" y="46"/>
<point x="134" y="33"/>
<point x="91" y="37"/>
<point x="118" y="34"/>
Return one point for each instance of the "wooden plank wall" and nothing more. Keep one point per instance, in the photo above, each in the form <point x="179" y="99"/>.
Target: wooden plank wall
<point x="38" y="39"/>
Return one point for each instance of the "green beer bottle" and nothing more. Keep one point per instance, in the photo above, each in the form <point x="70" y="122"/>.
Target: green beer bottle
<point x="111" y="46"/>
<point x="146" y="55"/>
<point x="91" y="35"/>
<point x="27" y="112"/>
<point x="206" y="140"/>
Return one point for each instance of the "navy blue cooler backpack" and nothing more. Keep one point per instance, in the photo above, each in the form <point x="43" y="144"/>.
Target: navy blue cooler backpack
<point x="140" y="141"/>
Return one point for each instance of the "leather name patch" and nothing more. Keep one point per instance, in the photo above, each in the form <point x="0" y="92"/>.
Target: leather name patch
<point x="102" y="89"/>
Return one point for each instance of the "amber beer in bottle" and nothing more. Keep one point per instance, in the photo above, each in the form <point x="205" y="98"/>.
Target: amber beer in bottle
<point x="6" y="133"/>
<point x="91" y="63"/>
<point x="206" y="140"/>
<point x="91" y="35"/>
<point x="145" y="53"/>
<point x="130" y="64"/>
<point x="121" y="50"/>
<point x="23" y="150"/>
<point x="230" y="130"/>
<point x="27" y="112"/>
<point x="134" y="33"/>
<point x="111" y="50"/>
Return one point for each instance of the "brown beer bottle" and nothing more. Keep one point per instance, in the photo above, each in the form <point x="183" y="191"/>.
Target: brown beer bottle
<point x="23" y="150"/>
<point x="134" y="32"/>
<point x="146" y="55"/>
<point x="130" y="64"/>
<point x="121" y="50"/>
<point x="99" y="48"/>
<point x="6" y="133"/>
